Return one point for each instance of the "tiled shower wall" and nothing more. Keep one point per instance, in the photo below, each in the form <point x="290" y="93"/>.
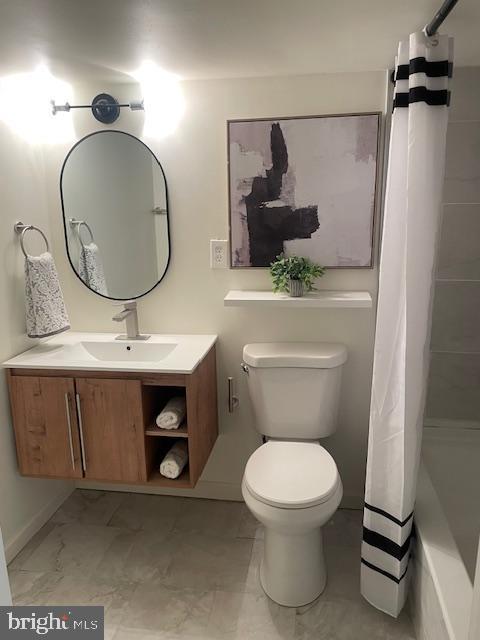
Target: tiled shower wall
<point x="454" y="384"/>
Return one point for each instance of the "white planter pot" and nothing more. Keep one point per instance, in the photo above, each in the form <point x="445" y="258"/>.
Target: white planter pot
<point x="295" y="288"/>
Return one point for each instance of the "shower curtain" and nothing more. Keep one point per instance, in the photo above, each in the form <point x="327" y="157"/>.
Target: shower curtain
<point x="401" y="356"/>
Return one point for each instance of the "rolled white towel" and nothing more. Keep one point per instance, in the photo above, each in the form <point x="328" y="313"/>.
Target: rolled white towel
<point x="172" y="414"/>
<point x="174" y="462"/>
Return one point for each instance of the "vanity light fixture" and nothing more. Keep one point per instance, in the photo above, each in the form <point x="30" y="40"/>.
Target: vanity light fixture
<point x="105" y="108"/>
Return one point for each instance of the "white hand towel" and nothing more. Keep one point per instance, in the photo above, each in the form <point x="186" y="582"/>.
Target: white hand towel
<point x="174" y="462"/>
<point x="172" y="414"/>
<point x="46" y="313"/>
<point x="90" y="268"/>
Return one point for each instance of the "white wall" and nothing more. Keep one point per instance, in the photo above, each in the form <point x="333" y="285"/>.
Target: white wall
<point x="24" y="504"/>
<point x="190" y="298"/>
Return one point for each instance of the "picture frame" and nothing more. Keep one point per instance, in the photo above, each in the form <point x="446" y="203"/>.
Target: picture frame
<point x="303" y="185"/>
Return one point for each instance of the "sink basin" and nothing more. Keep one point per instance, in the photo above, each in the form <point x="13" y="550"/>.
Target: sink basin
<point x="128" y="351"/>
<point x="101" y="352"/>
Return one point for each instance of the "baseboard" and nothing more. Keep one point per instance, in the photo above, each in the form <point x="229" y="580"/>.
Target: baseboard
<point x="204" y="489"/>
<point x="16" y="544"/>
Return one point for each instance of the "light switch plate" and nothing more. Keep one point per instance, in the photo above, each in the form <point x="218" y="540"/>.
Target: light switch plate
<point x="219" y="254"/>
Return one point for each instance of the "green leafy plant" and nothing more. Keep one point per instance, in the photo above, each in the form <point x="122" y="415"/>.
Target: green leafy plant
<point x="294" y="268"/>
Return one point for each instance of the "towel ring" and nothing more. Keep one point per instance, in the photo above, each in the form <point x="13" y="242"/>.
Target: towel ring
<point x="22" y="229"/>
<point x="78" y="224"/>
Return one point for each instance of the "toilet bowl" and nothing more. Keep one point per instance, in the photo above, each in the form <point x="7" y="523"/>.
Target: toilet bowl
<point x="291" y="483"/>
<point x="293" y="489"/>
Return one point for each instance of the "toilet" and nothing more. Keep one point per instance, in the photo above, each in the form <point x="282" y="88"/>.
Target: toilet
<point x="291" y="483"/>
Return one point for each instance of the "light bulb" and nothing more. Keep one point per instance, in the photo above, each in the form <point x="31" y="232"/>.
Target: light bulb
<point x="164" y="102"/>
<point x="25" y="106"/>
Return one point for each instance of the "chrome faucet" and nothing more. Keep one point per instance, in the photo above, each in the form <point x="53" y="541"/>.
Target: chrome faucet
<point x="129" y="314"/>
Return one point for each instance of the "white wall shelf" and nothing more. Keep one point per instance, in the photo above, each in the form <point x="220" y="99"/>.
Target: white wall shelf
<point x="315" y="299"/>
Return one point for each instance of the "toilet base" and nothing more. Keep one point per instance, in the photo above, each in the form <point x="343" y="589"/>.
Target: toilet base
<point x="293" y="571"/>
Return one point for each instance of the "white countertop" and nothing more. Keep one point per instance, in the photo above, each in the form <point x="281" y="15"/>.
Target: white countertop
<point x="70" y="351"/>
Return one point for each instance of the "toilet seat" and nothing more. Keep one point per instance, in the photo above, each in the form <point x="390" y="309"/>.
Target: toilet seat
<point x="291" y="475"/>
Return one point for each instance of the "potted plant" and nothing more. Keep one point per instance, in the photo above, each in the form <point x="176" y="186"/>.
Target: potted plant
<point x="294" y="275"/>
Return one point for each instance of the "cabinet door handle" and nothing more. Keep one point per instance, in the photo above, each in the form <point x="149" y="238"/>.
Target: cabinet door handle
<point x="80" y="424"/>
<point x="69" y="424"/>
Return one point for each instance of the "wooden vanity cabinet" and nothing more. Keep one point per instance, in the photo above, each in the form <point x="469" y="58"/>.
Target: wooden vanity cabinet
<point x="99" y="425"/>
<point x="46" y="429"/>
<point x="111" y="429"/>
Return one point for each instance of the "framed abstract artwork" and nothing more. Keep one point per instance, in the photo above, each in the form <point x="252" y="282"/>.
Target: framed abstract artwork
<point x="303" y="186"/>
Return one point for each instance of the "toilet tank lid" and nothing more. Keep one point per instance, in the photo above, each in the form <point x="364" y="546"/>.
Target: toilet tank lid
<point x="313" y="355"/>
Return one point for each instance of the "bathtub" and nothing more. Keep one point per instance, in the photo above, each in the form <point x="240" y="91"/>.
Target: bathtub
<point x="444" y="598"/>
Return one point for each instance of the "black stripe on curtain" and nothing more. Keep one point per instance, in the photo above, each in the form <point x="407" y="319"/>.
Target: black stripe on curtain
<point x="401" y="523"/>
<point x="437" y="69"/>
<point x="422" y="94"/>
<point x="402" y="72"/>
<point x="430" y="69"/>
<point x="385" y="573"/>
<point x="383" y="543"/>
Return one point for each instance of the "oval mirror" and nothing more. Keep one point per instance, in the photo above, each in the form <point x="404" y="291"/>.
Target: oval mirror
<point x="115" y="213"/>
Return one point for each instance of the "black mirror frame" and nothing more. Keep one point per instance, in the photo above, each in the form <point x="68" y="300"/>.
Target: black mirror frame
<point x="65" y="219"/>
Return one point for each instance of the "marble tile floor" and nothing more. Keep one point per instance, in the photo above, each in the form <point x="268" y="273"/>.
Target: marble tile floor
<point x="170" y="568"/>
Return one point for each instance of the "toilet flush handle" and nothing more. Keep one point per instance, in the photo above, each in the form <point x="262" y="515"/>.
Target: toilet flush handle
<point x="245" y="368"/>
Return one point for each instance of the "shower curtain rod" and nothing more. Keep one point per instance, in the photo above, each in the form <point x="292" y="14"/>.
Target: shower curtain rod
<point x="432" y="27"/>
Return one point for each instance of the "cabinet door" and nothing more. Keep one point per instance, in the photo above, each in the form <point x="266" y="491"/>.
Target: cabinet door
<point x="111" y="429"/>
<point x="45" y="423"/>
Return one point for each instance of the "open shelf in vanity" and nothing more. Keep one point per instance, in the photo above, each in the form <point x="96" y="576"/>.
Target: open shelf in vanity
<point x="159" y="441"/>
<point x="99" y="426"/>
<point x="155" y="432"/>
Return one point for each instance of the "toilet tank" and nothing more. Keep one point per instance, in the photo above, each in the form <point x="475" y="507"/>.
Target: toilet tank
<point x="295" y="387"/>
